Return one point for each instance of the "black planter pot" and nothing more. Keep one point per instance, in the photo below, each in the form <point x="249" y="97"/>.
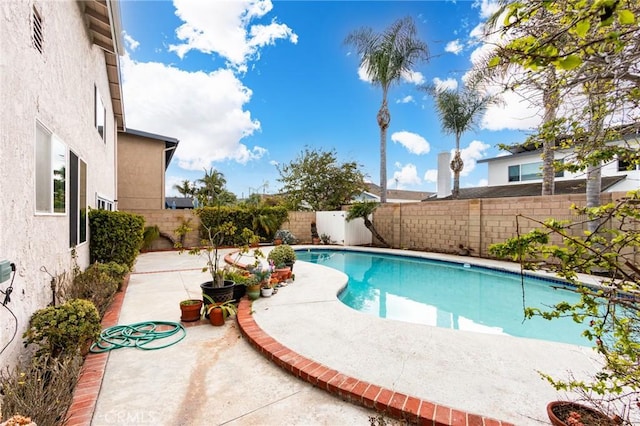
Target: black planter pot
<point x="290" y="265"/>
<point x="239" y="290"/>
<point x="217" y="294"/>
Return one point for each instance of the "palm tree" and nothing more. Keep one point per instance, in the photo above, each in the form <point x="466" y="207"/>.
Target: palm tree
<point x="386" y="57"/>
<point x="213" y="183"/>
<point x="185" y="188"/>
<point x="458" y="112"/>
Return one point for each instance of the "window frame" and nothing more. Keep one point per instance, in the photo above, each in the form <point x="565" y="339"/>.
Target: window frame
<point x="99" y="114"/>
<point x="77" y="200"/>
<point x="47" y="187"/>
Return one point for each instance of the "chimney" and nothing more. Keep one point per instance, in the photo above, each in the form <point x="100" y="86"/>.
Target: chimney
<point x="444" y="174"/>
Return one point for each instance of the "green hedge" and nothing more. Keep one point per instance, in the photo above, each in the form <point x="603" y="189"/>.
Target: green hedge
<point x="243" y="217"/>
<point x="115" y="236"/>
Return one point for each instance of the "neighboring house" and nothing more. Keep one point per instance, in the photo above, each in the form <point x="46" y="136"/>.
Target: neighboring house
<point x="143" y="159"/>
<point x="372" y="194"/>
<point x="524" y="166"/>
<point x="61" y="109"/>
<point x="180" y="203"/>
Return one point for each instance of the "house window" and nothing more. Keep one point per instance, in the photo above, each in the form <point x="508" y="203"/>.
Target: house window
<point x="625" y="166"/>
<point x="104" y="203"/>
<point x="51" y="164"/>
<point x="36" y="31"/>
<point x="514" y="173"/>
<point x="100" y="113"/>
<point x="528" y="171"/>
<point x="77" y="200"/>
<point x="531" y="171"/>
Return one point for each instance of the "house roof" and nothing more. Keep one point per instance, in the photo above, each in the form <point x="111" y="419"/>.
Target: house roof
<point x="170" y="144"/>
<point x="398" y="194"/>
<point x="181" y="202"/>
<point x="104" y="25"/>
<point x="577" y="186"/>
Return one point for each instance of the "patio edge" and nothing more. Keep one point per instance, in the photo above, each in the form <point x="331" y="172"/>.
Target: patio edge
<point x="386" y="401"/>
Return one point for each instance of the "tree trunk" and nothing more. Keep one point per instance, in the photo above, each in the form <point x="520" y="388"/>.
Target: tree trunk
<point x="375" y="233"/>
<point x="456" y="166"/>
<point x="550" y="99"/>
<point x="594" y="187"/>
<point x="383" y="122"/>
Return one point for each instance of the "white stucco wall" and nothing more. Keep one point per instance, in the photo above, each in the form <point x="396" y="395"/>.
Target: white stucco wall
<point x="57" y="89"/>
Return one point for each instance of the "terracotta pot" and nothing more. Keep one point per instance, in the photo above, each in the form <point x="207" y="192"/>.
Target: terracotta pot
<point x="190" y="311"/>
<point x="559" y="412"/>
<point x="216" y="317"/>
<point x="277" y="241"/>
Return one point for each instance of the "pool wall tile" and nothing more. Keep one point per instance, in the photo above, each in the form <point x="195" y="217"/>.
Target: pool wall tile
<point x="386" y="401"/>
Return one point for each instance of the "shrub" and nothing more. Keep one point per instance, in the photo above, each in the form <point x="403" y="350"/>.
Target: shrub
<point x="63" y="329"/>
<point x="115" y="236"/>
<point x="41" y="388"/>
<point x="282" y="255"/>
<point x="242" y="217"/>
<point x="116" y="270"/>
<point x="286" y="236"/>
<point x="98" y="283"/>
<point x="150" y="234"/>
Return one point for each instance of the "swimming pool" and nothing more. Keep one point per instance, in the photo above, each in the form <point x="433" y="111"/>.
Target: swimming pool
<point x="449" y="295"/>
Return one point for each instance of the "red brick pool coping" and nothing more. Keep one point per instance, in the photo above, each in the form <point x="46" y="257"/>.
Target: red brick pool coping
<point x="369" y="395"/>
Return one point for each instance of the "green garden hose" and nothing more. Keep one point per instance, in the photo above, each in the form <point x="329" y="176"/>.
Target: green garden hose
<point x="139" y="335"/>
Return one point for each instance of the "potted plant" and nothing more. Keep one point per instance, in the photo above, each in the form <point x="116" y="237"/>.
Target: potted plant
<point x="282" y="255"/>
<point x="565" y="413"/>
<point x="326" y="238"/>
<point x="253" y="287"/>
<point x="283" y="236"/>
<point x="219" y="289"/>
<point x="218" y="312"/>
<point x="190" y="310"/>
<point x="315" y="237"/>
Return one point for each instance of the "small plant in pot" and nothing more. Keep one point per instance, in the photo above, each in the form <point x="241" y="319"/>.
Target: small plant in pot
<point x="219" y="312"/>
<point x="282" y="255"/>
<point x="190" y="310"/>
<point x="284" y="236"/>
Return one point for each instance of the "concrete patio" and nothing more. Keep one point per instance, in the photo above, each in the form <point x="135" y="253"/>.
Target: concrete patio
<point x="214" y="376"/>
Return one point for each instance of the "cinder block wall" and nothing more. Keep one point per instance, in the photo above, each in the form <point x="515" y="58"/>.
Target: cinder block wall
<point x="440" y="226"/>
<point x="168" y="221"/>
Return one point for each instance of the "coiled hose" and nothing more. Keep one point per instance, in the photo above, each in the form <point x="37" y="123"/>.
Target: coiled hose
<point x="141" y="335"/>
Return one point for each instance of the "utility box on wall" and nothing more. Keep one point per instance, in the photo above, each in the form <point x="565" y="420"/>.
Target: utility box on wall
<point x="335" y="225"/>
<point x="5" y="270"/>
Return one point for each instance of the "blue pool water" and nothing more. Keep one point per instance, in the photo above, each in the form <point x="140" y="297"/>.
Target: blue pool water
<point x="449" y="295"/>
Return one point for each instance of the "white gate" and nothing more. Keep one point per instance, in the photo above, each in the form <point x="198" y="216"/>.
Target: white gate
<point x="335" y="225"/>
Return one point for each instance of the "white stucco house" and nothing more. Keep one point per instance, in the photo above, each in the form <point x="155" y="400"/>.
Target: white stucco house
<point x="61" y="110"/>
<point x="524" y="166"/>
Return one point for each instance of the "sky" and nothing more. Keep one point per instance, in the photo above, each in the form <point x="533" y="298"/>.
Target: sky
<point x="246" y="85"/>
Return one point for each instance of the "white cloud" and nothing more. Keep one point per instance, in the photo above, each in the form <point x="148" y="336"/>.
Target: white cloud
<point x="414" y="143"/>
<point x="487" y="7"/>
<point x="448" y="84"/>
<point x="475" y="151"/>
<point x="131" y="43"/>
<point x="453" y="47"/>
<point x="413" y="77"/>
<point x="363" y="74"/>
<point x="205" y="112"/>
<point x="406" y="176"/>
<point x="431" y="176"/>
<point x="407" y="99"/>
<point x="224" y="27"/>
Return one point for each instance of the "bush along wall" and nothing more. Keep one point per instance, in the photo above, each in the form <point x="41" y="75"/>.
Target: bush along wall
<point x="115" y="236"/>
<point x="263" y="221"/>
